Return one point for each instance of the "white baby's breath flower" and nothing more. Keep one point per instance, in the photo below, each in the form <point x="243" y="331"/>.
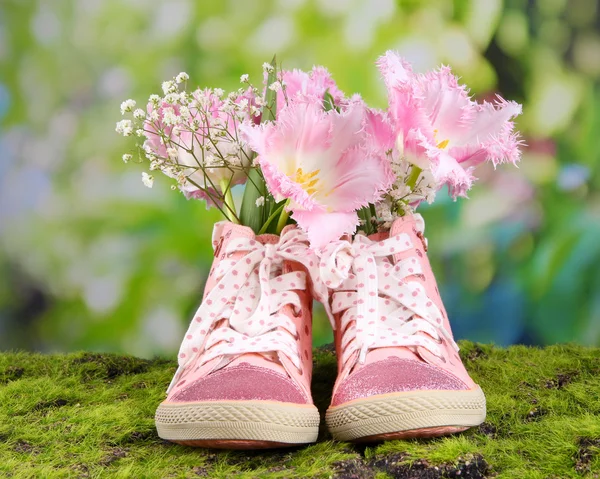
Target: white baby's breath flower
<point x="139" y="114"/>
<point x="154" y="165"/>
<point x="170" y="118"/>
<point x="267" y="67"/>
<point x="184" y="111"/>
<point x="244" y="78"/>
<point x="127" y="158"/>
<point x="182" y="77"/>
<point x="127" y="105"/>
<point x="124" y="127"/>
<point x="147" y="179"/>
<point x="154" y="99"/>
<point x="255" y="111"/>
<point x="275" y="86"/>
<point x="218" y="91"/>
<point x="172" y="153"/>
<point x="172" y="98"/>
<point x="154" y="115"/>
<point x="139" y="132"/>
<point x="169" y="87"/>
<point x="260" y="201"/>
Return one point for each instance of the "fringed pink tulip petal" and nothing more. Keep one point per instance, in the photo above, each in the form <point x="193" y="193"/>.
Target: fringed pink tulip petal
<point x="489" y="121"/>
<point x="396" y="71"/>
<point x="300" y="85"/>
<point x="447" y="171"/>
<point x="359" y="171"/>
<point x="322" y="228"/>
<point x="445" y="103"/>
<point x="379" y="130"/>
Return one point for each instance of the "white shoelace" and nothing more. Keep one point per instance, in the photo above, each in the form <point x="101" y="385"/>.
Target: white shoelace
<point x="249" y="293"/>
<point x="380" y="305"/>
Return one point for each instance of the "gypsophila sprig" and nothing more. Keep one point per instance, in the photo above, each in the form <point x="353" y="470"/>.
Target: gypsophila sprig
<point x="193" y="137"/>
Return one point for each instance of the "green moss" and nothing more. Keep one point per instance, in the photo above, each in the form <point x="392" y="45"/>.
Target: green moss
<point x="91" y="415"/>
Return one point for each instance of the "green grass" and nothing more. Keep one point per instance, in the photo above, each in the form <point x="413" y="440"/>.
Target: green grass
<point x="91" y="415"/>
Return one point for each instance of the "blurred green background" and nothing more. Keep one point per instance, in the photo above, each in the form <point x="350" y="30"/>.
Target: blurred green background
<point x="91" y="259"/>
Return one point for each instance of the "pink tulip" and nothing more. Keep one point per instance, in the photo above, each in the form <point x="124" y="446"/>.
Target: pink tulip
<point x="320" y="162"/>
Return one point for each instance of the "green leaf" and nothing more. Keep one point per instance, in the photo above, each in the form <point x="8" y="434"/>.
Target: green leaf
<point x="329" y="102"/>
<point x="265" y="228"/>
<point x="250" y="214"/>
<point x="270" y="106"/>
<point x="365" y="215"/>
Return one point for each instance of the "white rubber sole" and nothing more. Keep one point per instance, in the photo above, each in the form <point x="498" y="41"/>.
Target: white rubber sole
<point x="406" y="415"/>
<point x="238" y="424"/>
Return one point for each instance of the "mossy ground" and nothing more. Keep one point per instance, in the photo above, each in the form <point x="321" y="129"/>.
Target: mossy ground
<point x="91" y="415"/>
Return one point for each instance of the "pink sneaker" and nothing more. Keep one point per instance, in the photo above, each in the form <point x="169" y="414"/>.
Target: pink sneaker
<point x="245" y="364"/>
<point x="399" y="373"/>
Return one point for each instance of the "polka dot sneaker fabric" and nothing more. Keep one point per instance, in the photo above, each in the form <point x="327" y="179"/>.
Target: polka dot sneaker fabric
<point x="397" y="359"/>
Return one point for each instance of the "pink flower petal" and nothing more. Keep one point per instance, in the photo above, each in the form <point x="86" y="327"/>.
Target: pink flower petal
<point x="323" y="228"/>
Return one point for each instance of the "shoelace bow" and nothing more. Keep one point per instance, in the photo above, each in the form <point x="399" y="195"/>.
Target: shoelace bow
<point x="250" y="295"/>
<point x="380" y="305"/>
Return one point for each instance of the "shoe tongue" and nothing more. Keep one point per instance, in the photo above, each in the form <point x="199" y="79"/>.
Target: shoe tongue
<point x="381" y="354"/>
<point x="258" y="360"/>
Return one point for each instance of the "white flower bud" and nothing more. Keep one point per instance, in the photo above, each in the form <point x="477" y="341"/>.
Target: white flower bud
<point x="127" y="105"/>
<point x="182" y="77"/>
<point x="275" y="86"/>
<point x="124" y="127"/>
<point x="147" y="179"/>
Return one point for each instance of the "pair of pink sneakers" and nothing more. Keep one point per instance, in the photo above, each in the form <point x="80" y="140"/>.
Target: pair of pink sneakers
<point x="245" y="364"/>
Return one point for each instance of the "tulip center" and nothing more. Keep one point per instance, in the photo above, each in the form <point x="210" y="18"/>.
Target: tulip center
<point x="442" y="144"/>
<point x="307" y="181"/>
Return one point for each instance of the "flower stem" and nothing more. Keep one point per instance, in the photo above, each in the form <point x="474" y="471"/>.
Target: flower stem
<point x="228" y="200"/>
<point x="283" y="217"/>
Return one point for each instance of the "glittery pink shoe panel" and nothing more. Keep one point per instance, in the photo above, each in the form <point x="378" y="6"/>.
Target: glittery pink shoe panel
<point x="394" y="375"/>
<point x="242" y="383"/>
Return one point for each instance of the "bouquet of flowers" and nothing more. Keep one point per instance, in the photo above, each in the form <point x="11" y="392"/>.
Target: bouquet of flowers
<point x="327" y="213"/>
<point x="309" y="154"/>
